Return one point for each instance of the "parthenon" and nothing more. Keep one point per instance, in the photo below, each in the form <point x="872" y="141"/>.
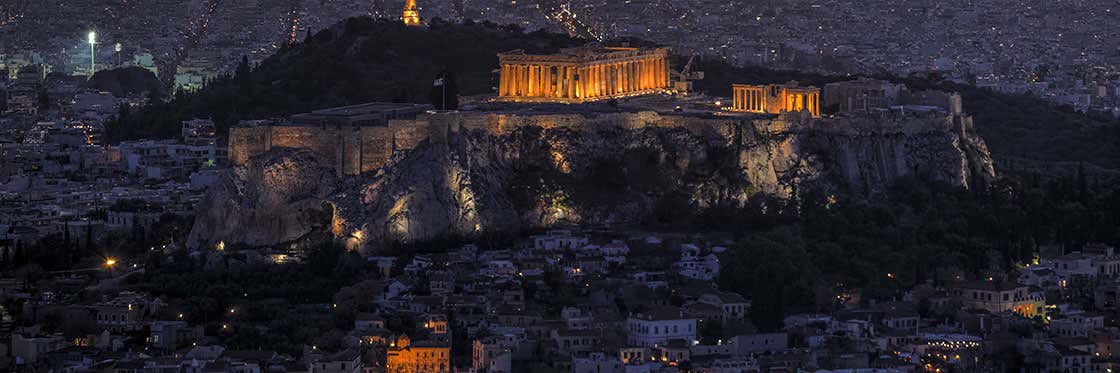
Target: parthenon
<point x="583" y="74"/>
<point x="776" y="98"/>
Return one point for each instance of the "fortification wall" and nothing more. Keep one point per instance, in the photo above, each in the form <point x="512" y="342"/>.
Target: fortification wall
<point x="377" y="147"/>
<point x="322" y="141"/>
<point x="247" y="142"/>
<point x="353" y="150"/>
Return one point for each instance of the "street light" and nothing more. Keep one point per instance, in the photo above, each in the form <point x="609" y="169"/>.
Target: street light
<point x="92" y="38"/>
<point x="110" y="262"/>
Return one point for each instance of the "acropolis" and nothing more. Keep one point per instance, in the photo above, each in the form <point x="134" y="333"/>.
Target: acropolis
<point x="776" y="98"/>
<point x="583" y="74"/>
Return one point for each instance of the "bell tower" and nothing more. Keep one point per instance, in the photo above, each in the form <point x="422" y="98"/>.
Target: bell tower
<point x="411" y="16"/>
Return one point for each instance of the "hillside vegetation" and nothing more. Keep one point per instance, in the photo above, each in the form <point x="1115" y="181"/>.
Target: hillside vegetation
<point x="358" y="60"/>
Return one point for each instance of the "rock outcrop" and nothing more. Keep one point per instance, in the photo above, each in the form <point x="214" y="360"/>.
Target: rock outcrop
<point x="475" y="181"/>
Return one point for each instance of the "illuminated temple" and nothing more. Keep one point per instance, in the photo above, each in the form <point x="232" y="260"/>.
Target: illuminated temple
<point x="583" y="74"/>
<point x="776" y="98"/>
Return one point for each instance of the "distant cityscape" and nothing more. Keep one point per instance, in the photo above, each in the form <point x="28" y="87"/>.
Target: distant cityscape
<point x="1061" y="50"/>
<point x="449" y="235"/>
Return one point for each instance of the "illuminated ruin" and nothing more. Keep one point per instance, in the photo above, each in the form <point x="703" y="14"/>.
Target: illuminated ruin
<point x="776" y="98"/>
<point x="583" y="74"/>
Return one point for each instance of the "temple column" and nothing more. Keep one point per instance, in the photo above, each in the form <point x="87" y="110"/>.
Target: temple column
<point x="504" y="85"/>
<point x="642" y="70"/>
<point x="571" y="82"/>
<point x="581" y="88"/>
<point x="518" y="78"/>
<point x="509" y="79"/>
<point x="524" y="82"/>
<point x="623" y="79"/>
<point x="593" y="82"/>
<point x="631" y="77"/>
<point x="531" y="89"/>
<point x="596" y="81"/>
<point x="531" y="84"/>
<point x="503" y="79"/>
<point x="549" y="81"/>
<point x="589" y="83"/>
<point x="662" y="71"/>
<point x="637" y="75"/>
<point x="604" y="88"/>
<point x="542" y="80"/>
<point x="541" y="89"/>
<point x="619" y="77"/>
<point x="606" y="70"/>
<point x="649" y="75"/>
<point x="609" y="80"/>
<point x="624" y="76"/>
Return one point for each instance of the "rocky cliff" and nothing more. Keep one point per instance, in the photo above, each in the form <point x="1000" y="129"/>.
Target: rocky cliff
<point x="539" y="176"/>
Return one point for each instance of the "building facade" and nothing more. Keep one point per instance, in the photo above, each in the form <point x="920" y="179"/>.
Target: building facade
<point x="403" y="356"/>
<point x="862" y="95"/>
<point x="583" y="74"/>
<point x="999" y="297"/>
<point x="776" y="98"/>
<point x="659" y="326"/>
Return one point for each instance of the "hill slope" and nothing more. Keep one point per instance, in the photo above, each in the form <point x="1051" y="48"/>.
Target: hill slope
<point x="358" y="60"/>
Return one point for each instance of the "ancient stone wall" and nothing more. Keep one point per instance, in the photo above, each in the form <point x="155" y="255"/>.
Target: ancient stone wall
<point x="352" y="150"/>
<point x="247" y="142"/>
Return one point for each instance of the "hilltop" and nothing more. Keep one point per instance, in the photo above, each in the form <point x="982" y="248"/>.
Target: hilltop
<point x="358" y="60"/>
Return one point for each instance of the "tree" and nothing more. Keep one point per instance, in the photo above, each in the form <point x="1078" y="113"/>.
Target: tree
<point x="44" y="100"/>
<point x="244" y="76"/>
<point x="155" y="96"/>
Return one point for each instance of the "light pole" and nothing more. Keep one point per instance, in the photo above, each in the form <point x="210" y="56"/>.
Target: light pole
<point x="92" y="59"/>
<point x="119" y="48"/>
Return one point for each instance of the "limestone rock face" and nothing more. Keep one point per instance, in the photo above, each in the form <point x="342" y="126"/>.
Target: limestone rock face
<point x="277" y="198"/>
<point x="540" y="176"/>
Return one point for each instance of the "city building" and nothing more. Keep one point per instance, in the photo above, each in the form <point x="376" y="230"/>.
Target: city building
<point x="583" y="74"/>
<point x="659" y="326"/>
<point x="404" y="356"/>
<point x="1000" y="296"/>
<point x="347" y="361"/>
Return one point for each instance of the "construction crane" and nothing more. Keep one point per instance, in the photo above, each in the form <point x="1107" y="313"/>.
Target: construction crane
<point x="682" y="80"/>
